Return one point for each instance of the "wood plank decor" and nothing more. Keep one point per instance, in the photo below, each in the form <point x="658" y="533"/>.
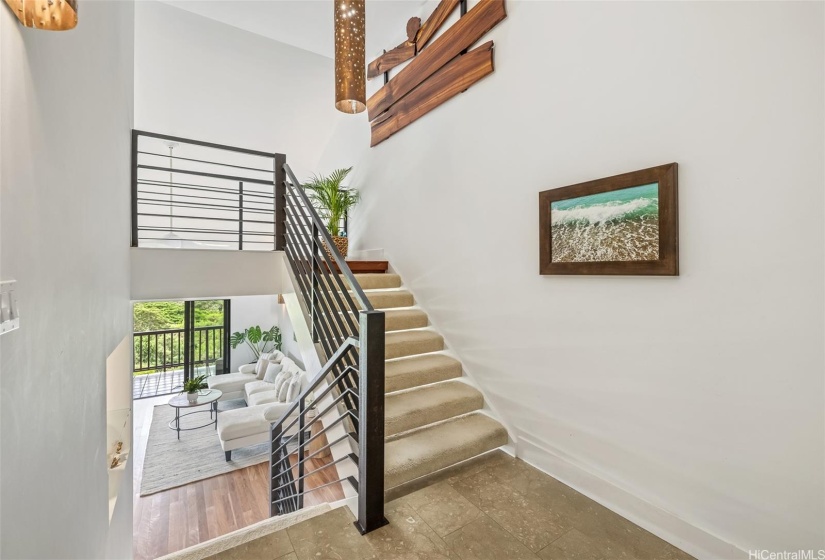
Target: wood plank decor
<point x="435" y="21"/>
<point x="401" y="53"/>
<point x="454" y="78"/>
<point x="435" y="74"/>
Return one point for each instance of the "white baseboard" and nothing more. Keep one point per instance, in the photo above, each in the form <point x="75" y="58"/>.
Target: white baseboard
<point x="678" y="532"/>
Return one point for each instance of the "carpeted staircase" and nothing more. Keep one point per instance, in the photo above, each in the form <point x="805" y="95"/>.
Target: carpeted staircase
<point x="433" y="418"/>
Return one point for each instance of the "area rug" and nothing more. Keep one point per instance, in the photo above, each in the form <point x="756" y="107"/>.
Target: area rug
<point x="170" y="462"/>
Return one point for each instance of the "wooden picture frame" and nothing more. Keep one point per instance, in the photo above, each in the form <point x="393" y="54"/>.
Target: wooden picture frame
<point x="594" y="220"/>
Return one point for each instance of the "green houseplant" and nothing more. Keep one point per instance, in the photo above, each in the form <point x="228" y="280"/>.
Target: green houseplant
<point x="192" y="386"/>
<point x="259" y="341"/>
<point x="332" y="202"/>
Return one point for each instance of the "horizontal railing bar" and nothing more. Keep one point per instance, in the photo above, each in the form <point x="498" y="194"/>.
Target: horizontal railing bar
<point x="305" y="492"/>
<point x="171" y="331"/>
<point x="205" y="144"/>
<point x="206" y="188"/>
<point x="348" y="457"/>
<point x="234" y="242"/>
<point x="346" y="347"/>
<point x="286" y="440"/>
<point x="320" y="415"/>
<point x="204" y="174"/>
<point x="197" y="206"/>
<point x="202" y="230"/>
<point x="270" y="171"/>
<point x="212" y="218"/>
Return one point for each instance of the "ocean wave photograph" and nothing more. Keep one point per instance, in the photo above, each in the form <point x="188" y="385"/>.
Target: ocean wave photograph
<point x="621" y="225"/>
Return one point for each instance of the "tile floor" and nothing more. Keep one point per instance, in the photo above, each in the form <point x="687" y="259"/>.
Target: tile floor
<point x="493" y="508"/>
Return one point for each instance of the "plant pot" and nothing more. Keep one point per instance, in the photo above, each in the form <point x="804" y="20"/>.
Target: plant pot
<point x="192" y="397"/>
<point x="341" y="243"/>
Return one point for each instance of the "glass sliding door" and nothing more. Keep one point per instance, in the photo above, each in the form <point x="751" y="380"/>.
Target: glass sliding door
<point x="176" y="340"/>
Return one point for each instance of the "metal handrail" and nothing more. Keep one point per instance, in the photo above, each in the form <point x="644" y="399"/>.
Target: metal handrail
<point x="354" y="371"/>
<point x="343" y="267"/>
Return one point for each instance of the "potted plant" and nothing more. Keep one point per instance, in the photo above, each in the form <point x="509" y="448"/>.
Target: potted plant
<point x="192" y="386"/>
<point x="259" y="341"/>
<point x="332" y="202"/>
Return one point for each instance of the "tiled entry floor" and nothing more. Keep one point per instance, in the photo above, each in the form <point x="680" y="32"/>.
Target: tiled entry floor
<point x="494" y="508"/>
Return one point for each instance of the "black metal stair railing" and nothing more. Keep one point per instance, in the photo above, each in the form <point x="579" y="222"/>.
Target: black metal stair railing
<point x="348" y="392"/>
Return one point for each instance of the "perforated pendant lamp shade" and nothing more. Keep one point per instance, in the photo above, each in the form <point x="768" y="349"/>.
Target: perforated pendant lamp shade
<point x="350" y="74"/>
<point x="51" y="15"/>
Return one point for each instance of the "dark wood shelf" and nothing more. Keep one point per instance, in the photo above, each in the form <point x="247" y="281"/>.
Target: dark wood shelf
<point x="365" y="267"/>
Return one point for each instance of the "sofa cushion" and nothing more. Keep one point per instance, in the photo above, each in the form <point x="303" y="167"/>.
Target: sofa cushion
<point x="273" y="412"/>
<point x="247" y="368"/>
<point x="242" y="422"/>
<point x="262" y="397"/>
<point x="256" y="387"/>
<point x="272" y="371"/>
<point x="230" y="382"/>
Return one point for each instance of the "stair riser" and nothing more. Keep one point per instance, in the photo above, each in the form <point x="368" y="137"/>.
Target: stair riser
<point x="389" y="300"/>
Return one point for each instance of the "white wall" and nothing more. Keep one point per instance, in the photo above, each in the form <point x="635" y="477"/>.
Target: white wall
<point x="200" y="273"/>
<point x="66" y="111"/>
<point x="201" y="79"/>
<point x="700" y="395"/>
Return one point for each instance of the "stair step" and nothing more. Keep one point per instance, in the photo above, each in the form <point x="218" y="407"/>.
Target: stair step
<point x="386" y="299"/>
<point x="438" y="446"/>
<point x="400" y="319"/>
<point x="408" y="343"/>
<point x="378" y="281"/>
<point x="412" y="372"/>
<point x="426" y="405"/>
<point x="403" y="319"/>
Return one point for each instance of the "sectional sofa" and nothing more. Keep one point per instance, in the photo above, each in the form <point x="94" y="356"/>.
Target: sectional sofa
<point x="249" y="425"/>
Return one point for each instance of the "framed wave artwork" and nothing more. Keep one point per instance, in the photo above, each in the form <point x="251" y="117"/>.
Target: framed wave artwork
<point x="626" y="224"/>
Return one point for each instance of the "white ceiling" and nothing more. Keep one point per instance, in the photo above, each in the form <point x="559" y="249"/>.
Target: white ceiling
<point x="308" y="24"/>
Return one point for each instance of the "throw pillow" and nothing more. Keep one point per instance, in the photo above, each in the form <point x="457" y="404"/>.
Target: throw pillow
<point x="282" y="378"/>
<point x="272" y="371"/>
<point x="294" y="389"/>
<point x="284" y="388"/>
<point x="260" y="367"/>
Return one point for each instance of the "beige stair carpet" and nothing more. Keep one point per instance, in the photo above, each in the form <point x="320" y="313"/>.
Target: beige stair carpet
<point x="408" y="410"/>
<point x="406" y="373"/>
<point x="408" y="343"/>
<point x="437" y="446"/>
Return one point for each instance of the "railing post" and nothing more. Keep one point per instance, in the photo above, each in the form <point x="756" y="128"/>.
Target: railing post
<point x="275" y="440"/>
<point x="240" y="216"/>
<point x="314" y="247"/>
<point x="301" y="452"/>
<point x="280" y="202"/>
<point x="371" y="422"/>
<point x="134" y="188"/>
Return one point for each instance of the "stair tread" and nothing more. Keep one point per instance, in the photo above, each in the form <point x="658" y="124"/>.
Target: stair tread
<point x="370" y="281"/>
<point x="418" y="407"/>
<point x="385" y="299"/>
<point x="432" y="448"/>
<point x="414" y="371"/>
<point x="409" y="343"/>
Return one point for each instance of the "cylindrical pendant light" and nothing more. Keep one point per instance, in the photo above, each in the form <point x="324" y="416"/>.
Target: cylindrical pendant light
<point x="350" y="80"/>
<point x="51" y="15"/>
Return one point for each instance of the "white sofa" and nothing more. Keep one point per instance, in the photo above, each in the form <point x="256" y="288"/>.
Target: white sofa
<point x="241" y="427"/>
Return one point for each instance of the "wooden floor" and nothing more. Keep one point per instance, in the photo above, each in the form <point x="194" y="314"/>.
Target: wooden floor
<point x="181" y="517"/>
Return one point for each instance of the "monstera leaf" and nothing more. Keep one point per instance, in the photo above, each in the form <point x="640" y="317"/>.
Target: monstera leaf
<point x="258" y="340"/>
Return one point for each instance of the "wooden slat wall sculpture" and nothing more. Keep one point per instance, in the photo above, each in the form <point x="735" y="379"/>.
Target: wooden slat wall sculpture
<point x="435" y="74"/>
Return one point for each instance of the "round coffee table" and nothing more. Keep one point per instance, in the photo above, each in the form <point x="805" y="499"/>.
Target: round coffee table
<point x="210" y="397"/>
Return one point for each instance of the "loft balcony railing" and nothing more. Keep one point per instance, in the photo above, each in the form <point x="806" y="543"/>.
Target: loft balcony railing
<point x="200" y="195"/>
<point x="164" y="350"/>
